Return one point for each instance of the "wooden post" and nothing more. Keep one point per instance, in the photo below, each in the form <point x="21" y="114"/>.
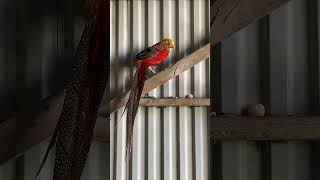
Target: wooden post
<point x="216" y="109"/>
<point x="313" y="79"/>
<point x="264" y="57"/>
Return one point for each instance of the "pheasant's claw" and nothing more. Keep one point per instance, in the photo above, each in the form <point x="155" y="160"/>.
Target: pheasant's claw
<point x="152" y="70"/>
<point x="151" y="97"/>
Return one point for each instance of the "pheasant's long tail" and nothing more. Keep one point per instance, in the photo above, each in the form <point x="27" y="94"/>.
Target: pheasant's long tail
<point x="133" y="104"/>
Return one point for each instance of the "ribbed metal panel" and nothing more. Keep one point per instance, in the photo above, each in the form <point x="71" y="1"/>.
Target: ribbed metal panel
<point x="169" y="143"/>
<point x="242" y="160"/>
<point x="37" y="44"/>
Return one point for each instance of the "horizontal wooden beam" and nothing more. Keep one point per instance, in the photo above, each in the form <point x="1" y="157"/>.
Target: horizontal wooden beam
<point x="264" y="128"/>
<point x="174" y="102"/>
<point x="229" y="16"/>
<point x="160" y="78"/>
<point x="27" y="129"/>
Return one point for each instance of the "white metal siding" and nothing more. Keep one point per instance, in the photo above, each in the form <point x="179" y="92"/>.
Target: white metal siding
<point x="169" y="143"/>
<point x="240" y="86"/>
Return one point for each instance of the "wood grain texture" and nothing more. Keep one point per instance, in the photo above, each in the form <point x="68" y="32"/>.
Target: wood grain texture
<point x="264" y="128"/>
<point x="174" y="102"/>
<point x="229" y="16"/>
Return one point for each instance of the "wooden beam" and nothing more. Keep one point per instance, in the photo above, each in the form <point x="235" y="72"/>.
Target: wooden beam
<point x="264" y="68"/>
<point x="229" y="16"/>
<point x="228" y="127"/>
<point x="27" y="129"/>
<point x="174" y="102"/>
<point x="313" y="78"/>
<point x="215" y="148"/>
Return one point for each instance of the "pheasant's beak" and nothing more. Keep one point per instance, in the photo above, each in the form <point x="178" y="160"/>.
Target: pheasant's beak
<point x="172" y="44"/>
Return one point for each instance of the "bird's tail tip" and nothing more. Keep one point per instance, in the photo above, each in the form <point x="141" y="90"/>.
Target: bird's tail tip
<point x="128" y="153"/>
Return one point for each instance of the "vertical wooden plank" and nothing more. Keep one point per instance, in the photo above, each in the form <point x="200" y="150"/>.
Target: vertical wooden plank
<point x="313" y="79"/>
<point x="214" y="155"/>
<point x="313" y="56"/>
<point x="264" y="68"/>
<point x="215" y="79"/>
<point x="215" y="163"/>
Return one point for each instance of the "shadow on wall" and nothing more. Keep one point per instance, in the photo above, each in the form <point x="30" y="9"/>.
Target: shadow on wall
<point x="37" y="47"/>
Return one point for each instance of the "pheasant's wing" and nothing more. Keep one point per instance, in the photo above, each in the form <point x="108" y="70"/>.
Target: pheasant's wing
<point x="148" y="53"/>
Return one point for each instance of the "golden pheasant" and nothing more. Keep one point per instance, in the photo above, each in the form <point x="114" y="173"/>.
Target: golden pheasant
<point x="149" y="57"/>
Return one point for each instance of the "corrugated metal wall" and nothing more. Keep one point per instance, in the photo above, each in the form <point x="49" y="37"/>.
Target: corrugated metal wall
<point x="37" y="44"/>
<point x="169" y="143"/>
<point x="241" y="78"/>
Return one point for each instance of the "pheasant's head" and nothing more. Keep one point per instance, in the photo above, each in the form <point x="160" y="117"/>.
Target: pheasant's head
<point x="166" y="43"/>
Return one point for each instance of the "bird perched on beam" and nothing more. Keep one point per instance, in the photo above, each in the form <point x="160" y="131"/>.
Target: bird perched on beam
<point x="151" y="56"/>
<point x="74" y="130"/>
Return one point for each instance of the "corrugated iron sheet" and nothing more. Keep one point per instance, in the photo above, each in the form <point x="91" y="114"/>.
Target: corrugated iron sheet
<point x="242" y="160"/>
<point x="169" y="143"/>
<point x="37" y="45"/>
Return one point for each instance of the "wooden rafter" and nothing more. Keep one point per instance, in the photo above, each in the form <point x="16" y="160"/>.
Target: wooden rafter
<point x="229" y="16"/>
<point x="227" y="127"/>
<point x="21" y="132"/>
<point x="174" y="102"/>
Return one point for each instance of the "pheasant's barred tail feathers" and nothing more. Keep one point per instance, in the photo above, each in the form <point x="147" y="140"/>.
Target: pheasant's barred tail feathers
<point x="74" y="131"/>
<point x="133" y="104"/>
